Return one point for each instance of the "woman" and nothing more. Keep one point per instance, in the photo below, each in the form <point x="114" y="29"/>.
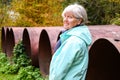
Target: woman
<point x="70" y="60"/>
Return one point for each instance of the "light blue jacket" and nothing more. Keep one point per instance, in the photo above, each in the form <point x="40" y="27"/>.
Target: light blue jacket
<point x="70" y="61"/>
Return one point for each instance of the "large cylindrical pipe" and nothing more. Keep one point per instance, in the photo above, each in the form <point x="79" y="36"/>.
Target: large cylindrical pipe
<point x="3" y="39"/>
<point x="31" y="42"/>
<point x="105" y="31"/>
<point x="10" y="42"/>
<point x="13" y="36"/>
<point x="104" y="60"/>
<point x="104" y="53"/>
<point x="53" y="33"/>
<point x="18" y="33"/>
<point x="26" y="42"/>
<point x="44" y="52"/>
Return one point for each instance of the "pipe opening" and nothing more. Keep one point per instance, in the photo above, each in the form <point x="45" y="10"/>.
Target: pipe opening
<point x="26" y="42"/>
<point x="44" y="53"/>
<point x="31" y="41"/>
<point x="3" y="39"/>
<point x="10" y="42"/>
<point x="104" y="61"/>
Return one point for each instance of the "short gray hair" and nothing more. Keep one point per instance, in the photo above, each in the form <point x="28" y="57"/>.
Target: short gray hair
<point x="78" y="11"/>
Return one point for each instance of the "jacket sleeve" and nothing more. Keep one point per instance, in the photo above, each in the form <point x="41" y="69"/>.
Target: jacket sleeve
<point x="65" y="59"/>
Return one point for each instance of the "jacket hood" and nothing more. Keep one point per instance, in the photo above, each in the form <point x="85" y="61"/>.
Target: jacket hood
<point x="80" y="31"/>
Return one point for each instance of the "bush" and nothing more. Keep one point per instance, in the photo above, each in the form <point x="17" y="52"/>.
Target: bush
<point x="20" y="65"/>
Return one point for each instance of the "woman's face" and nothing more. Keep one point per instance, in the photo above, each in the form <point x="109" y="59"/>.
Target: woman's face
<point x="70" y="21"/>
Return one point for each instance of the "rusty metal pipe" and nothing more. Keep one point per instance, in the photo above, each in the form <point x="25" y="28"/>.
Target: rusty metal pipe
<point x="13" y="36"/>
<point x="40" y="42"/>
<point x="53" y="33"/>
<point x="104" y="60"/>
<point x="26" y="42"/>
<point x="17" y="33"/>
<point x="10" y="42"/>
<point x="31" y="42"/>
<point x="105" y="31"/>
<point x="3" y="39"/>
<point x="44" y="52"/>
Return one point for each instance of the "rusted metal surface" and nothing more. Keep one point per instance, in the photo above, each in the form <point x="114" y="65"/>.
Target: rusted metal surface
<point x="104" y="53"/>
<point x="40" y="42"/>
<point x="26" y="42"/>
<point x="44" y="52"/>
<point x="33" y="39"/>
<point x="31" y="42"/>
<point x="17" y="33"/>
<point x="47" y="42"/>
<point x="10" y="42"/>
<point x="104" y="61"/>
<point x="3" y="39"/>
<point x="53" y="33"/>
<point x="109" y="32"/>
<point x="13" y="36"/>
<point x="105" y="31"/>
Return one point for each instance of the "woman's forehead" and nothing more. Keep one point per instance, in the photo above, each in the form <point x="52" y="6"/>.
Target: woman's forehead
<point x="69" y="13"/>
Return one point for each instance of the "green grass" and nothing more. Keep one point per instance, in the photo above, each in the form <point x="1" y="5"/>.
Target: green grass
<point x="7" y="76"/>
<point x="11" y="77"/>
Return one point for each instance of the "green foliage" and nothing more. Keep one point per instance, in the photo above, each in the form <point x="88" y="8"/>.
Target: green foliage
<point x="33" y="13"/>
<point x="10" y="69"/>
<point x="3" y="63"/>
<point x="48" y="12"/>
<point x="116" y="20"/>
<point x="99" y="11"/>
<point x="3" y="58"/>
<point x="20" y="65"/>
<point x="19" y="55"/>
<point x="29" y="73"/>
<point x="7" y="76"/>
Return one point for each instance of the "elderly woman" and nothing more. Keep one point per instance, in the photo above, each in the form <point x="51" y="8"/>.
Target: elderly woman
<point x="70" y="60"/>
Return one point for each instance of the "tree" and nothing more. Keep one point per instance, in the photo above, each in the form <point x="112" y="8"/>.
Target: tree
<point x="99" y="11"/>
<point x="34" y="13"/>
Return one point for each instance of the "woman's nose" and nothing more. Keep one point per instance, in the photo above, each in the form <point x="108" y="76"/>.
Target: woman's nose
<point x="65" y="19"/>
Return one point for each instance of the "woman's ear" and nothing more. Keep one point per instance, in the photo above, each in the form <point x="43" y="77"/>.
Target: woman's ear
<point x="80" y="21"/>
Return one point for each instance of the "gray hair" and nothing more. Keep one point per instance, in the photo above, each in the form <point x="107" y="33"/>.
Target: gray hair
<point x="78" y="11"/>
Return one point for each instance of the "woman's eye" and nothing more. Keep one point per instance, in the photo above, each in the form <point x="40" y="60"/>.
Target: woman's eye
<point x="70" y="17"/>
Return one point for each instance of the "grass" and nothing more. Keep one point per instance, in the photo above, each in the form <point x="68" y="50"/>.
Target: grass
<point x="11" y="77"/>
<point x="7" y="76"/>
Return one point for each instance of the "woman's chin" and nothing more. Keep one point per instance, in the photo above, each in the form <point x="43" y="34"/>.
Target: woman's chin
<point x="66" y="26"/>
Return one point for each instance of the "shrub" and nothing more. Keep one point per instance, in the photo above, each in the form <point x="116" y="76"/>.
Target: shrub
<point x="20" y="65"/>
